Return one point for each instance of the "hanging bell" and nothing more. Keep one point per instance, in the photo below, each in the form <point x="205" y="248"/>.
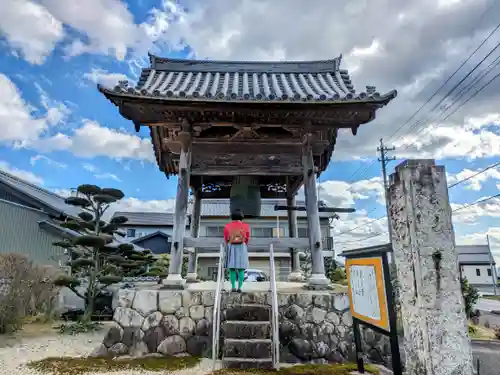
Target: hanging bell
<point x="245" y="196"/>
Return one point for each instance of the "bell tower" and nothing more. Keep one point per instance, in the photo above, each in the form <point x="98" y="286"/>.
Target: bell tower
<point x="246" y="131"/>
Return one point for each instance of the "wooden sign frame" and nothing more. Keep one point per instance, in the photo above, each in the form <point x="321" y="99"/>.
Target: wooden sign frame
<point x="377" y="263"/>
<point x="375" y="256"/>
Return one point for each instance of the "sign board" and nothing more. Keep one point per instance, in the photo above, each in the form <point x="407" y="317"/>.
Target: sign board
<point x="367" y="291"/>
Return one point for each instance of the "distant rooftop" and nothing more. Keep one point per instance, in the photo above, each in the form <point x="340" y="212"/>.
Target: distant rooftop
<point x="474" y="254"/>
<point x="45" y="197"/>
<point x="147" y="218"/>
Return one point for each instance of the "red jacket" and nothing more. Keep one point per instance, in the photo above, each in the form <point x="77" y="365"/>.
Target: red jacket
<point x="236" y="225"/>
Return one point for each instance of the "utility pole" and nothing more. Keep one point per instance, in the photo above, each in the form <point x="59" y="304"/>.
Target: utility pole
<point x="384" y="160"/>
<point x="492" y="267"/>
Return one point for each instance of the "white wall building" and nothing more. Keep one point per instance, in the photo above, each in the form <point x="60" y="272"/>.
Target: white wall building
<point x="477" y="264"/>
<point x="150" y="230"/>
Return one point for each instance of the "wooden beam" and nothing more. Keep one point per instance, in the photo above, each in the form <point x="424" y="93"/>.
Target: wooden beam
<point x="271" y="147"/>
<point x="248" y="170"/>
<point x="255" y="244"/>
<point x="320" y="209"/>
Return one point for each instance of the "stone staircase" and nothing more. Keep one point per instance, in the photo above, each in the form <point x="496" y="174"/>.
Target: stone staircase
<point x="247" y="331"/>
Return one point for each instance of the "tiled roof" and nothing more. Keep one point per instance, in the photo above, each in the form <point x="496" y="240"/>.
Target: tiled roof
<point x="474" y="254"/>
<point x="44" y="197"/>
<point x="65" y="232"/>
<point x="321" y="81"/>
<point x="150" y="235"/>
<point x="147" y="218"/>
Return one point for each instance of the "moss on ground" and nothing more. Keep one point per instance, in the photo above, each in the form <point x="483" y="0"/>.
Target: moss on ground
<point x="479" y="332"/>
<point x="331" y="369"/>
<point x="496" y="298"/>
<point x="84" y="365"/>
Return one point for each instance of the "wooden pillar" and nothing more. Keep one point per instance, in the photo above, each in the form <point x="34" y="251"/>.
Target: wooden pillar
<point x="195" y="232"/>
<point x="431" y="304"/>
<point x="295" y="274"/>
<point x="317" y="278"/>
<point x="174" y="279"/>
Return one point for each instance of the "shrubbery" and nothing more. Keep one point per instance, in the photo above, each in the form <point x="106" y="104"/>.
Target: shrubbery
<point x="26" y="289"/>
<point x="94" y="253"/>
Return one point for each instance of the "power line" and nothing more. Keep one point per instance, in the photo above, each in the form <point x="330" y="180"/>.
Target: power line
<point x="477" y="92"/>
<point x="365" y="170"/>
<point x="474" y="175"/>
<point x="477" y="202"/>
<point x="428" y="119"/>
<point x="382" y="233"/>
<point x="363" y="239"/>
<point x="454" y="73"/>
<point x="449" y="187"/>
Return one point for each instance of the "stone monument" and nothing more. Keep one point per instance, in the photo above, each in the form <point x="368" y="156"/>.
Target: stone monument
<point x="436" y="338"/>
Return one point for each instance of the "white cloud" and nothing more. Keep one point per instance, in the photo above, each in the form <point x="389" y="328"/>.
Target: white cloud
<point x="133" y="204"/>
<point x="388" y="57"/>
<point x="337" y="193"/>
<point x="17" y="122"/>
<point x="471" y="213"/>
<point x="22" y="129"/>
<point x="107" y="176"/>
<point x="34" y="28"/>
<point x="30" y="28"/>
<point x="103" y="77"/>
<point x="89" y="167"/>
<point x="475" y="183"/>
<point x="25" y="175"/>
<point x="56" y="112"/>
<point x="49" y="161"/>
<point x="91" y="139"/>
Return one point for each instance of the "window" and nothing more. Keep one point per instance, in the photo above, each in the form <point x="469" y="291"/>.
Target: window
<point x="478" y="272"/>
<point x="262" y="232"/>
<point x="280" y="233"/>
<point x="302" y="232"/>
<point x="489" y="271"/>
<point x="130" y="232"/>
<point x="215" y="231"/>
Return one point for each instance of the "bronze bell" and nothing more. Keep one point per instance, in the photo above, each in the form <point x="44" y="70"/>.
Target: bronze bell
<point x="245" y="196"/>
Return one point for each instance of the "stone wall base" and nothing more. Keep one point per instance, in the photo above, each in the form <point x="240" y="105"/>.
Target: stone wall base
<point x="315" y="326"/>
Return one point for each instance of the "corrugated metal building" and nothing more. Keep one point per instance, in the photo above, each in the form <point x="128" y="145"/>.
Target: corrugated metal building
<point x="20" y="232"/>
<point x="24" y="210"/>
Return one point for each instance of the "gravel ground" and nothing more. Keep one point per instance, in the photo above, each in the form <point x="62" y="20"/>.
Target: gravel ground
<point x="13" y="358"/>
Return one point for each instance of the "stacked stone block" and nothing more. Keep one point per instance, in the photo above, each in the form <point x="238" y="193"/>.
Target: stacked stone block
<point x="315" y="326"/>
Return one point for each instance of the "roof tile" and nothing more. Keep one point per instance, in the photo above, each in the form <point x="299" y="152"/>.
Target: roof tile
<point x="249" y="81"/>
<point x="45" y="197"/>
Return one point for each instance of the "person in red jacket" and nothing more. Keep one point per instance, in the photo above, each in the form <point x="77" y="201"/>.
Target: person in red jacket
<point x="236" y="237"/>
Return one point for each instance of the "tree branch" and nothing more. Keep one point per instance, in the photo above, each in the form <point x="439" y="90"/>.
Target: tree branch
<point x="76" y="292"/>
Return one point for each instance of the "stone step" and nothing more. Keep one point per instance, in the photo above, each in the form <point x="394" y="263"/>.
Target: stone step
<point x="240" y="329"/>
<point x="244" y="363"/>
<point x="248" y="312"/>
<point x="247" y="348"/>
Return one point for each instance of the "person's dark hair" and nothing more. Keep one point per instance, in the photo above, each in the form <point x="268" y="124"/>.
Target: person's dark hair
<point x="237" y="215"/>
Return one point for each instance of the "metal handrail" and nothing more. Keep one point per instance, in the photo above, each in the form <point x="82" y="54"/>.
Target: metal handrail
<point x="217" y="305"/>
<point x="274" y="310"/>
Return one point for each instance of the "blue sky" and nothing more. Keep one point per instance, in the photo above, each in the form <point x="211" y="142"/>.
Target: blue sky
<point x="59" y="131"/>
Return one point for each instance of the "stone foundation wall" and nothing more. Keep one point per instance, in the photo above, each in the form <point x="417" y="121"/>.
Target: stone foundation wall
<point x="315" y="326"/>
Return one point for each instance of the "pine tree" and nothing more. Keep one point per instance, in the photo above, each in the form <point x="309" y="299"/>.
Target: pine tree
<point x="92" y="253"/>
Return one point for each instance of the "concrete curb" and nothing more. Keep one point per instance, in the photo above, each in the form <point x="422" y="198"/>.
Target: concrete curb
<point x="487" y="342"/>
